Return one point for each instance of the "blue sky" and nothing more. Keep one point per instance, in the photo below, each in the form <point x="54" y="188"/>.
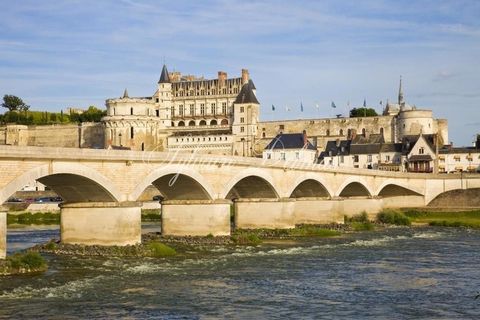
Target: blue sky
<point x="56" y="54"/>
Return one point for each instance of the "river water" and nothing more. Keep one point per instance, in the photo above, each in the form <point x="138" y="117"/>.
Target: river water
<point x="399" y="273"/>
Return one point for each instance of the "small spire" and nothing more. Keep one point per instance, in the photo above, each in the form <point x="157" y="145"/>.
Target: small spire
<point x="125" y="93"/>
<point x="400" y="93"/>
<point x="164" y="78"/>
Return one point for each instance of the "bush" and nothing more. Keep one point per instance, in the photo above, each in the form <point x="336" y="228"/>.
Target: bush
<point x="362" y="217"/>
<point x="159" y="249"/>
<point x="151" y="215"/>
<point x="390" y="216"/>
<point x="246" y="239"/>
<point x="363" y="226"/>
<point x="28" y="260"/>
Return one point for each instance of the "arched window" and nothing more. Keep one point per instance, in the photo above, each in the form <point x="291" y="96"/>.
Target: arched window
<point x="143" y="146"/>
<point x="349" y="133"/>
<point x="341" y="132"/>
<point x="181" y="124"/>
<point x="364" y="131"/>
<point x="263" y="134"/>
<point x="328" y="132"/>
<point x="224" y="122"/>
<point x="131" y="111"/>
<point x="131" y="133"/>
<point x="203" y="123"/>
<point x="173" y="124"/>
<point x="381" y="131"/>
<point x="191" y="123"/>
<point x="213" y="122"/>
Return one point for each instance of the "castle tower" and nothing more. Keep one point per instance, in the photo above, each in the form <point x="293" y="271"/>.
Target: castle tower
<point x="401" y="101"/>
<point x="246" y="110"/>
<point x="165" y="108"/>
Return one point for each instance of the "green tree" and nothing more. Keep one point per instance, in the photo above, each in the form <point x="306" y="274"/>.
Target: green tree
<point x="14" y="103"/>
<point x="363" y="112"/>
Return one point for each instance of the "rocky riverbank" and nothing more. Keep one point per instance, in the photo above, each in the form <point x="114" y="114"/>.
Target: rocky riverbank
<point x="23" y="263"/>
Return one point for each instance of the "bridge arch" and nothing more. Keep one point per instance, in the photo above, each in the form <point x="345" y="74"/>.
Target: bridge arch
<point x="354" y="187"/>
<point x="392" y="188"/>
<point x="73" y="182"/>
<point x="250" y="183"/>
<point x="310" y="185"/>
<point x="175" y="182"/>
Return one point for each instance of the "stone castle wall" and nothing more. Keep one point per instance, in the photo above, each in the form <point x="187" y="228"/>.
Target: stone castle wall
<point x="87" y="135"/>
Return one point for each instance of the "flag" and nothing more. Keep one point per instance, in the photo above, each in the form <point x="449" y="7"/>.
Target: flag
<point x="333" y="105"/>
<point x="381" y="102"/>
<point x="301" y="107"/>
<point x="364" y="103"/>
<point x="273" y="107"/>
<point x="317" y="106"/>
<point x="287" y="108"/>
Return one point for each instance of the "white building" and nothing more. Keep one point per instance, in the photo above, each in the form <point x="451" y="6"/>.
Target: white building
<point x="291" y="147"/>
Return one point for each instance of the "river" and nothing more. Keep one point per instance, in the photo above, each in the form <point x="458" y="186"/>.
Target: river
<point x="398" y="273"/>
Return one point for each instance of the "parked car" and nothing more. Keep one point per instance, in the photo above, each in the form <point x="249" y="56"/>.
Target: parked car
<point x="48" y="199"/>
<point x="13" y="199"/>
<point x="157" y="198"/>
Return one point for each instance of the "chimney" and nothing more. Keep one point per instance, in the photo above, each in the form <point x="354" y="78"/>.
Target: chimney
<point x="222" y="78"/>
<point x="305" y="138"/>
<point x="245" y="76"/>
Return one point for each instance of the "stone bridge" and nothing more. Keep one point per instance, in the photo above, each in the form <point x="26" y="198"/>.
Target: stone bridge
<point x="101" y="189"/>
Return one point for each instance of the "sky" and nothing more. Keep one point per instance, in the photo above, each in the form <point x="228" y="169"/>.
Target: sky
<point x="57" y="54"/>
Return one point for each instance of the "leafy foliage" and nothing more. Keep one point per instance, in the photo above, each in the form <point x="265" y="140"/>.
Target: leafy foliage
<point x="363" y="112"/>
<point x="14" y="103"/>
<point x="159" y="249"/>
<point x="391" y="216"/>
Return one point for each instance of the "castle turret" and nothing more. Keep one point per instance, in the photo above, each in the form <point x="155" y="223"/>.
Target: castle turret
<point x="246" y="109"/>
<point x="165" y="109"/>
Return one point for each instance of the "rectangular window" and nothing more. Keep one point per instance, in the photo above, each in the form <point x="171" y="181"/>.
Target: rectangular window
<point x="192" y="110"/>
<point x="269" y="156"/>
<point x="355" y="158"/>
<point x="282" y="156"/>
<point x="172" y="111"/>
<point x="242" y="120"/>
<point x="342" y="160"/>
<point x="224" y="107"/>
<point x="202" y="109"/>
<point x="387" y="158"/>
<point x="242" y="129"/>
<point x="297" y="155"/>
<point x="421" y="151"/>
<point x="369" y="158"/>
<point x="214" y="109"/>
<point x="181" y="110"/>
<point x="282" y="127"/>
<point x="157" y="113"/>
<point x="242" y="109"/>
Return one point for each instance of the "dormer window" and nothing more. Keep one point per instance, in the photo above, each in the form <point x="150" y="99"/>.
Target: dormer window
<point x="421" y="151"/>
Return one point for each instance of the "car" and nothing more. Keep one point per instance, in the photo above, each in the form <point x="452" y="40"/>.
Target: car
<point x="13" y="199"/>
<point x="157" y="198"/>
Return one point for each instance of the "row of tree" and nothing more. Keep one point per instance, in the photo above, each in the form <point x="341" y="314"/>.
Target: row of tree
<point x="18" y="112"/>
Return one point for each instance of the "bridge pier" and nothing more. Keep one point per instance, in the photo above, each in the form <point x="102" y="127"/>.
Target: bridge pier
<point x="101" y="223"/>
<point x="317" y="211"/>
<point x="269" y="213"/>
<point x="196" y="217"/>
<point x="3" y="232"/>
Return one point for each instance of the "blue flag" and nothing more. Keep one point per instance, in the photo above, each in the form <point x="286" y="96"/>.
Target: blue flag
<point x="301" y="107"/>
<point x="364" y="103"/>
<point x="333" y="105"/>
<point x="273" y="107"/>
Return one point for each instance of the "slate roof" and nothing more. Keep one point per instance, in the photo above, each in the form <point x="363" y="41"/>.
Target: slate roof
<point x="289" y="141"/>
<point x="447" y="150"/>
<point x="246" y="95"/>
<point x="164" y="78"/>
<point x="410" y="141"/>
<point x="391" y="147"/>
<point x="372" y="138"/>
<point x="365" y="148"/>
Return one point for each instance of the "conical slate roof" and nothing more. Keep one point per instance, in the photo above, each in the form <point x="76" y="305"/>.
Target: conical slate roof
<point x="164" y="78"/>
<point x="246" y="95"/>
<point x="125" y="93"/>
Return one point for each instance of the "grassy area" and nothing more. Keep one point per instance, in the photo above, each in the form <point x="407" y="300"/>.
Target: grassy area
<point x="393" y="216"/>
<point x="468" y="219"/>
<point x="256" y="236"/>
<point x="159" y="249"/>
<point x="151" y="215"/>
<point x="23" y="263"/>
<point x="33" y="218"/>
<point x="359" y="222"/>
